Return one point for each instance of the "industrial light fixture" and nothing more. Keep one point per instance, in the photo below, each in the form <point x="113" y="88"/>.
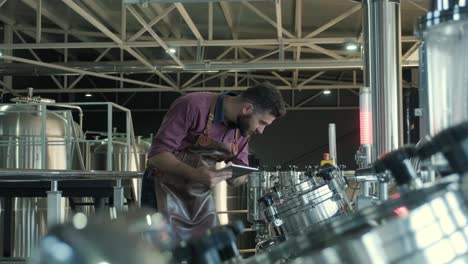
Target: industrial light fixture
<point x="171" y="50"/>
<point x="351" y="46"/>
<point x="326" y="92"/>
<point x="88" y="95"/>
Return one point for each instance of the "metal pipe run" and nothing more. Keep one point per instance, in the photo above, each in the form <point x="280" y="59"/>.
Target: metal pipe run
<point x="20" y="175"/>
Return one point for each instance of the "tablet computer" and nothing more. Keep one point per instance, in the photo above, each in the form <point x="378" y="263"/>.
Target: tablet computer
<point x="239" y="170"/>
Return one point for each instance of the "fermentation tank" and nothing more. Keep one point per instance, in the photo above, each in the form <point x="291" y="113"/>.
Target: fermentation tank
<point x="22" y="137"/>
<point x="120" y="156"/>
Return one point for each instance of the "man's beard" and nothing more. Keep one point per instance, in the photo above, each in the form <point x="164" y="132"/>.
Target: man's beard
<point x="243" y="125"/>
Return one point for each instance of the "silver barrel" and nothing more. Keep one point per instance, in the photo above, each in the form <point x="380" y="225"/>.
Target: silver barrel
<point x="289" y="176"/>
<point x="258" y="184"/>
<point x="307" y="205"/>
<point x="431" y="229"/>
<point x="444" y="32"/>
<point x="32" y="137"/>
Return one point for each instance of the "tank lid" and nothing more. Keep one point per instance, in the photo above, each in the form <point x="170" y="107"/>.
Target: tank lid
<point x="440" y="12"/>
<point x="32" y="99"/>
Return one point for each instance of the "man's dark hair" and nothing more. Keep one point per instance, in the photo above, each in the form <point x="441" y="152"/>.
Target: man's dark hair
<point x="265" y="98"/>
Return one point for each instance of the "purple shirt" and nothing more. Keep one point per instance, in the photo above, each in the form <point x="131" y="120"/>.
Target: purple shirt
<point x="186" y="120"/>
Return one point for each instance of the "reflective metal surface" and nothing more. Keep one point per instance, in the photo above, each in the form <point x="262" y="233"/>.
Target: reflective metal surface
<point x="308" y="208"/>
<point x="289" y="176"/>
<point x="128" y="239"/>
<point x="123" y="159"/>
<point x="382" y="50"/>
<point x="445" y="57"/>
<point x="24" y="130"/>
<point x="433" y="232"/>
<point x="120" y="155"/>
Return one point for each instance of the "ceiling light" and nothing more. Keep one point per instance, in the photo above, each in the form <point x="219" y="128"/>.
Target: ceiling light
<point x="171" y="50"/>
<point x="1" y="53"/>
<point x="326" y="92"/>
<point x="88" y="95"/>
<point x="351" y="46"/>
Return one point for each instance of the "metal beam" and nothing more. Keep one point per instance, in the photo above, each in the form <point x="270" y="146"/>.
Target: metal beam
<point x="281" y="78"/>
<point x="75" y="82"/>
<point x="210" y="20"/>
<point x="228" y="16"/>
<point x="8" y="88"/>
<point x="184" y="43"/>
<point x="102" y="11"/>
<point x="225" y="65"/>
<point x="153" y="22"/>
<point x="114" y="38"/>
<point x="279" y="22"/>
<point x="315" y="76"/>
<point x="167" y="21"/>
<point x="38" y="21"/>
<point x="53" y="66"/>
<point x="155" y="36"/>
<point x="298" y="29"/>
<point x="413" y="49"/>
<point x="200" y="73"/>
<point x="333" y="22"/>
<point x="37" y="58"/>
<point x="51" y="15"/>
<point x="189" y="21"/>
<point x="2" y="2"/>
<point x="418" y="6"/>
<point x="59" y="21"/>
<point x="310" y="99"/>
<point x="149" y="89"/>
<point x="325" y="51"/>
<point x="266" y="18"/>
<point x="7" y="18"/>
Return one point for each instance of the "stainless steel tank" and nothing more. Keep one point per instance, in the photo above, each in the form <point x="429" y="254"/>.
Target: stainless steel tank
<point x="21" y="140"/>
<point x="422" y="226"/>
<point x="289" y="176"/>
<point x="429" y="227"/>
<point x="120" y="157"/>
<point x="231" y="205"/>
<point x="444" y="65"/>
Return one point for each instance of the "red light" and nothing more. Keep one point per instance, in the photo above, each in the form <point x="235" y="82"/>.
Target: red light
<point x="365" y="122"/>
<point x="400" y="211"/>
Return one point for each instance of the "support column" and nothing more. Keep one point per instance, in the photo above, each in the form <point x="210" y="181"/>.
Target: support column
<point x="382" y="61"/>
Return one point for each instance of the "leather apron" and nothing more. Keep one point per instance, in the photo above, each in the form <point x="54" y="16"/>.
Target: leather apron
<point x="189" y="206"/>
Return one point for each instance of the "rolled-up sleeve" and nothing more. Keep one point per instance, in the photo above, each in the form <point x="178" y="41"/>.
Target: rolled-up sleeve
<point x="174" y="128"/>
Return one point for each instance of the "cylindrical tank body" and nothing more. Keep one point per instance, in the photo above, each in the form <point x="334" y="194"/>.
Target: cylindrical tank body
<point x="444" y="57"/>
<point x="120" y="157"/>
<point x="21" y="141"/>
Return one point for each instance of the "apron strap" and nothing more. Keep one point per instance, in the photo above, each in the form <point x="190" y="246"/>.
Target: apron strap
<point x="204" y="139"/>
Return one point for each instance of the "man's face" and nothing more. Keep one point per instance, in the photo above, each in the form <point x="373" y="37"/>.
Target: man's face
<point x="253" y="122"/>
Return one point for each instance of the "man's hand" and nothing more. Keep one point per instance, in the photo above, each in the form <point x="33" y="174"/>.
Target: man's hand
<point x="209" y="176"/>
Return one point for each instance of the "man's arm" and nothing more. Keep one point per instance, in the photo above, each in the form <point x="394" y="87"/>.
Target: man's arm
<point x="168" y="163"/>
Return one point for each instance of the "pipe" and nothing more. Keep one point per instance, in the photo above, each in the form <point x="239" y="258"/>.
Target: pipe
<point x="332" y="142"/>
<point x="132" y="67"/>
<point x="382" y="60"/>
<point x="24" y="175"/>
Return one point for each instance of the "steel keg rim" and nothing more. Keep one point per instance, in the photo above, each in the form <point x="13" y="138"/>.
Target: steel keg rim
<point x="433" y="18"/>
<point x="329" y="232"/>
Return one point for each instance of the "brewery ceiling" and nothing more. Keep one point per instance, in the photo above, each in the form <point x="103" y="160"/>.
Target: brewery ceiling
<point x="108" y="47"/>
